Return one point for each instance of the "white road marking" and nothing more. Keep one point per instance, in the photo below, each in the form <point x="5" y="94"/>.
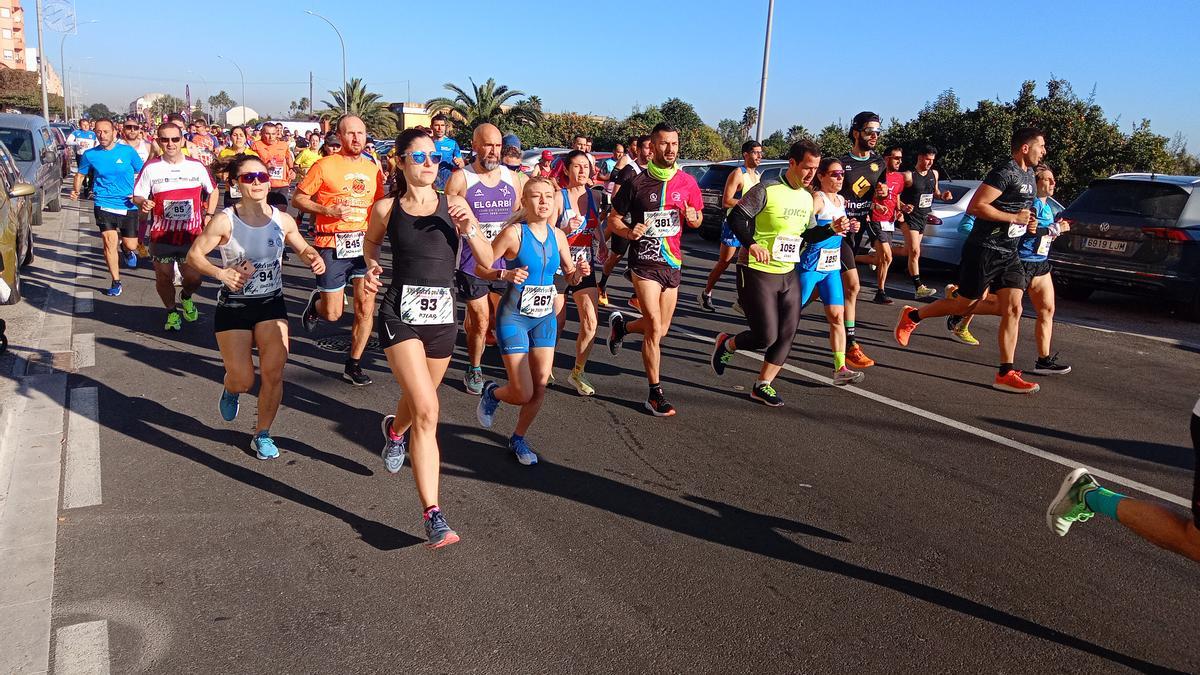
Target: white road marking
<point x="963" y="426"/>
<point x="81" y="475"/>
<point x="1165" y="340"/>
<point x="84" y="346"/>
<point x="81" y="649"/>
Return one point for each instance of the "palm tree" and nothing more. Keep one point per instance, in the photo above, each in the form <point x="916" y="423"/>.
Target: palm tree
<point x="487" y="103"/>
<point x="356" y="100"/>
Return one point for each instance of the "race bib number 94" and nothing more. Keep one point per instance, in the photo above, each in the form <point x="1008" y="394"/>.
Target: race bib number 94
<point x="662" y="224"/>
<point x="537" y="301"/>
<point x="266" y="280"/>
<point x="426" y="306"/>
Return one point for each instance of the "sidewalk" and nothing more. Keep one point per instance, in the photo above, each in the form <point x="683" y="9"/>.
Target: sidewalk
<point x="36" y="449"/>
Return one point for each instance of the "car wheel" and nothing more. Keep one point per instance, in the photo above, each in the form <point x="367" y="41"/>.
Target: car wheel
<point x="35" y="218"/>
<point x="27" y="259"/>
<point x="56" y="205"/>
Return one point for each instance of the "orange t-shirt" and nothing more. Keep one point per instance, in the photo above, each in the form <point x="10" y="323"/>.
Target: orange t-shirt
<point x="275" y="157"/>
<point x="340" y="180"/>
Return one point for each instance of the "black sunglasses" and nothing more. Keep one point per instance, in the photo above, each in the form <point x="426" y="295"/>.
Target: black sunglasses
<point x="170" y="139"/>
<point x="254" y="177"/>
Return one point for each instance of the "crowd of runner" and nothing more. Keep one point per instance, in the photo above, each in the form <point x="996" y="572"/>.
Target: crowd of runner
<point x="515" y="244"/>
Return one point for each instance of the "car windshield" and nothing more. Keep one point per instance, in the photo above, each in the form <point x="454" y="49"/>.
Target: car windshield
<point x="716" y="175"/>
<point x="1132" y="198"/>
<point x="956" y="192"/>
<point x="19" y="142"/>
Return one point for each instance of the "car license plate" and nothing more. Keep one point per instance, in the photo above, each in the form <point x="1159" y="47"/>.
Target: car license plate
<point x="1105" y="245"/>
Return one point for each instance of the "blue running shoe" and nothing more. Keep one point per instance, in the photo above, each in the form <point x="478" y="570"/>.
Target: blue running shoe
<point x="263" y="446"/>
<point x="131" y="259"/>
<point x="486" y="410"/>
<point x="438" y="530"/>
<point x="521" y="449"/>
<point x="393" y="448"/>
<point x="229" y="406"/>
<point x="114" y="290"/>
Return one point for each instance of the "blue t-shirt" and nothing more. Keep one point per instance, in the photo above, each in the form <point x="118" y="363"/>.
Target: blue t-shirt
<point x="606" y="165"/>
<point x="448" y="149"/>
<point x="82" y="140"/>
<point x="114" y="172"/>
<point x="1030" y="244"/>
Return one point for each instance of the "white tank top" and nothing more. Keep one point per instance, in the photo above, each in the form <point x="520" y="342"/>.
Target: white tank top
<point x="262" y="247"/>
<point x="831" y="210"/>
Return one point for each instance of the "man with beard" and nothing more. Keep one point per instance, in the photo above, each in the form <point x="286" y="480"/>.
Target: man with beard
<point x="493" y="193"/>
<point x="864" y="172"/>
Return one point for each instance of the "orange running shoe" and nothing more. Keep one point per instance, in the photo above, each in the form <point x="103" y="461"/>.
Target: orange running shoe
<point x="856" y="357"/>
<point x="1013" y="383"/>
<point x="603" y="299"/>
<point x="905" y="326"/>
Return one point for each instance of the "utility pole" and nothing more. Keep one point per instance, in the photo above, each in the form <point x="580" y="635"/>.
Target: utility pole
<point x="310" y="93"/>
<point x="762" y="92"/>
<point x="42" y="63"/>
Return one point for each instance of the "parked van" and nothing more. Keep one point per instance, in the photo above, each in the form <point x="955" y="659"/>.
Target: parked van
<point x="31" y="143"/>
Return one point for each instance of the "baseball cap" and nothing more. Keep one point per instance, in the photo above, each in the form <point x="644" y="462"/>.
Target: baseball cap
<point x="511" y="140"/>
<point x="546" y="154"/>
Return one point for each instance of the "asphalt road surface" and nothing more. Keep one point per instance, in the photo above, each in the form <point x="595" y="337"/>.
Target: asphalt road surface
<point x="897" y="525"/>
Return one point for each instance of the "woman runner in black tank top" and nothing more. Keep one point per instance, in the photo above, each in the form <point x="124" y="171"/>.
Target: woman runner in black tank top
<point x="416" y="322"/>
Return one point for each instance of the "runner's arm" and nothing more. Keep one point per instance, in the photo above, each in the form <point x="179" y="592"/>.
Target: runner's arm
<point x="741" y="218"/>
<point x="505" y="244"/>
<point x="460" y="212"/>
<point x="981" y="205"/>
<point x="293" y="238"/>
<point x="215" y="232"/>
<point x="574" y="273"/>
<point x="456" y="184"/>
<point x="732" y="183"/>
<point x="616" y="215"/>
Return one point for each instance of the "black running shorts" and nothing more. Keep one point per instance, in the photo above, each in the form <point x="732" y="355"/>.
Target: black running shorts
<point x="983" y="269"/>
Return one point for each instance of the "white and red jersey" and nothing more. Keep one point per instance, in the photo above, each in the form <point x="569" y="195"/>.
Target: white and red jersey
<point x="177" y="190"/>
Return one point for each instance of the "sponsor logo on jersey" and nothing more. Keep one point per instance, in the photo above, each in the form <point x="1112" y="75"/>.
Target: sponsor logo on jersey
<point x="861" y="186"/>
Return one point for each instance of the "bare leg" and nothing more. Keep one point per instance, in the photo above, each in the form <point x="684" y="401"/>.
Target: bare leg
<point x="475" y="324"/>
<point x="164" y="283"/>
<point x="191" y="280"/>
<point x="883" y="261"/>
<point x="586" y="302"/>
<point x="364" y="318"/>
<point x="724" y="258"/>
<point x="235" y="347"/>
<point x="1010" y="322"/>
<point x="271" y="338"/>
<point x="1041" y="292"/>
<point x="1161" y="526"/>
<point x="110" y="253"/>
<point x="330" y="304"/>
<point x="658" y="308"/>
<point x="538" y="368"/>
<point x="418" y="378"/>
<point x="850" y="288"/>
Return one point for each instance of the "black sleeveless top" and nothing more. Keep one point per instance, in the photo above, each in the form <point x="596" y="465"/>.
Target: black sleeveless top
<point x="921" y="186"/>
<point x="424" y="249"/>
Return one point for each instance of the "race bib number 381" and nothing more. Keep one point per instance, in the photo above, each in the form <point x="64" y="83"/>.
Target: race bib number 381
<point x="662" y="224"/>
<point x="426" y="306"/>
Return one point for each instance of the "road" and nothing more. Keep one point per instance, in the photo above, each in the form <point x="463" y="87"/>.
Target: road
<point x="897" y="525"/>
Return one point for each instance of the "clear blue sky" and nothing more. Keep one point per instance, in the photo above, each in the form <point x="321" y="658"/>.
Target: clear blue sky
<point x="828" y="60"/>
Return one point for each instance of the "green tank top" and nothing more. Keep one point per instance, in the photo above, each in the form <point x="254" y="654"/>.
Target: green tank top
<point x="749" y="180"/>
<point x="785" y="216"/>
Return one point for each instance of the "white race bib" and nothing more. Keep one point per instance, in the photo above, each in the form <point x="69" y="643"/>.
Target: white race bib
<point x="426" y="306"/>
<point x="177" y="209"/>
<point x="348" y="244"/>
<point x="887" y="226"/>
<point x="830" y="260"/>
<point x="267" y="279"/>
<point x="579" y="253"/>
<point x="490" y="230"/>
<point x="787" y="248"/>
<point x="537" y="301"/>
<point x="925" y="201"/>
<point x="1016" y="230"/>
<point x="662" y="224"/>
<point x="1044" y="245"/>
<point x="234" y="191"/>
<point x="277" y="172"/>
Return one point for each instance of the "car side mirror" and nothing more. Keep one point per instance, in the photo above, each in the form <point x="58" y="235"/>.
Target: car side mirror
<point x="22" y="190"/>
<point x="48" y="155"/>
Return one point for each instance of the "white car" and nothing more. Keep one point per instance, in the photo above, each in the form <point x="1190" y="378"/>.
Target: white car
<point x="943" y="241"/>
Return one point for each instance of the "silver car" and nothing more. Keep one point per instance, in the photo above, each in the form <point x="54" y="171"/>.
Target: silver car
<point x="943" y="241"/>
<point x="32" y="145"/>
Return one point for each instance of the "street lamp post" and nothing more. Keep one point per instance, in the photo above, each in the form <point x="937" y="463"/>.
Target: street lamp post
<point x="62" y="62"/>
<point x="42" y="61"/>
<point x="762" y="91"/>
<point x="345" y="80"/>
<point x="243" y="101"/>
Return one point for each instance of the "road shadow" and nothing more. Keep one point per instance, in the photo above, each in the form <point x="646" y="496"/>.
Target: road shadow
<point x="1178" y="456"/>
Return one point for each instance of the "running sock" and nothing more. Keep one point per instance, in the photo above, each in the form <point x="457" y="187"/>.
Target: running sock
<point x="839" y="360"/>
<point x="264" y="433"/>
<point x="516" y="437"/>
<point x="430" y="511"/>
<point x="850" y="341"/>
<point x="1005" y="368"/>
<point x="1103" y="501"/>
<point x="759" y="383"/>
<point x="350" y="363"/>
<point x="392" y="432"/>
<point x="604" y="281"/>
<point x="914" y="316"/>
<point x="917" y="281"/>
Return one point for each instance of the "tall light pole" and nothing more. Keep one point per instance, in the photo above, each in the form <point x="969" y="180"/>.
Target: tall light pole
<point x="345" y="80"/>
<point x="42" y="61"/>
<point x="762" y="91"/>
<point x="62" y="62"/>
<point x="243" y="101"/>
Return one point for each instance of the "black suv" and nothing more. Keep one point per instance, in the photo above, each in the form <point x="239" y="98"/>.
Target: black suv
<point x="712" y="184"/>
<point x="1133" y="233"/>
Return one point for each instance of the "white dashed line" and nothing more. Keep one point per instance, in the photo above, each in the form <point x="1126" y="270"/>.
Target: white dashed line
<point x="81" y="649"/>
<point x="81" y="475"/>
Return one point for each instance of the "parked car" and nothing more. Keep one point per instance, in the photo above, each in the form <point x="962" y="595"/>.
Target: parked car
<point x="16" y="232"/>
<point x="532" y="156"/>
<point x="712" y="185"/>
<point x="64" y="150"/>
<point x="1133" y="233"/>
<point x="29" y="140"/>
<point x="943" y="241"/>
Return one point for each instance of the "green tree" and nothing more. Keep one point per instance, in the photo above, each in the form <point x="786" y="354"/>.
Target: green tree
<point x="165" y="105"/>
<point x="749" y="121"/>
<point x="98" y="110"/>
<point x="775" y="146"/>
<point x="797" y="132"/>
<point x="220" y="101"/>
<point x="730" y="132"/>
<point x="355" y="99"/>
<point x="486" y="103"/>
<point x="833" y="140"/>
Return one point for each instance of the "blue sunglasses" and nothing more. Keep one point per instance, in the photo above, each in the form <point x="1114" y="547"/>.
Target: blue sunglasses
<point x="418" y="157"/>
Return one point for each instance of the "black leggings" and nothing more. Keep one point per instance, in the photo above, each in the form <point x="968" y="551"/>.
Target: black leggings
<point x="1196" y="471"/>
<point x="772" y="304"/>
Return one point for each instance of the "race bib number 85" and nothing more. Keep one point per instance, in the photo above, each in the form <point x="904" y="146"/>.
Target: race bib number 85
<point x="177" y="209"/>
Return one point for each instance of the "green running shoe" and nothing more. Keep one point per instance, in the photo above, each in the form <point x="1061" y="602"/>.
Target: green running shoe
<point x="174" y="321"/>
<point x="1069" y="506"/>
<point x="190" y="313"/>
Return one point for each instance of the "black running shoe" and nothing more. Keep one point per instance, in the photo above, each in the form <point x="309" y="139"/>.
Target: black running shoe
<point x="882" y="298"/>
<point x="659" y="406"/>
<point x="1050" y="366"/>
<point x="721" y="355"/>
<point x="354" y="375"/>
<point x="764" y="393"/>
<point x="616" y="332"/>
<point x="309" y="316"/>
